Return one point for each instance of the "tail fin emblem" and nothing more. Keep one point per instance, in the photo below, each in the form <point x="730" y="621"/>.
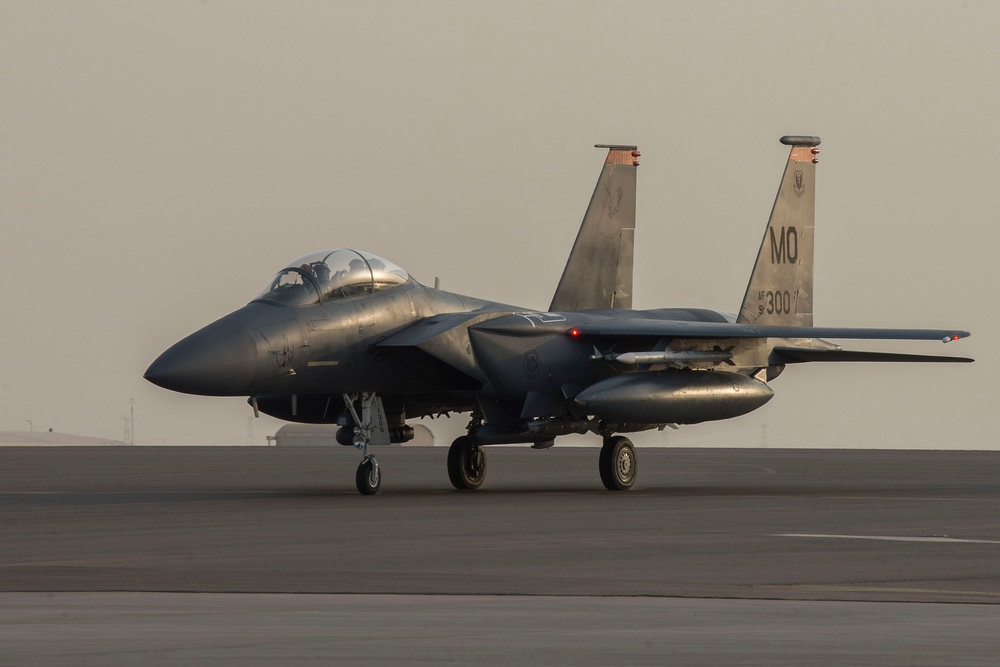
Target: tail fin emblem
<point x="799" y="188"/>
<point x="614" y="202"/>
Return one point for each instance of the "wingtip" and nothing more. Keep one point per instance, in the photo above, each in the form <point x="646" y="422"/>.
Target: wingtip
<point x="958" y="335"/>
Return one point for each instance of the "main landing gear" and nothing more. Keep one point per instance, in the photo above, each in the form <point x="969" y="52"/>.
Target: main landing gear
<point x="466" y="464"/>
<point x="466" y="457"/>
<point x="618" y="464"/>
<point x="370" y="430"/>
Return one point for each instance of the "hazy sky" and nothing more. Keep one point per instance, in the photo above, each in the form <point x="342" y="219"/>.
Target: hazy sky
<point x="160" y="161"/>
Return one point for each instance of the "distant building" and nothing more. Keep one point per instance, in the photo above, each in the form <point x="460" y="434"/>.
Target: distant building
<point x="311" y="435"/>
<point x="50" y="439"/>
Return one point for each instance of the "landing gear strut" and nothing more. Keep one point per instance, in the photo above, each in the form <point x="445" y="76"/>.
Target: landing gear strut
<point x="466" y="464"/>
<point x="618" y="464"/>
<point x="370" y="426"/>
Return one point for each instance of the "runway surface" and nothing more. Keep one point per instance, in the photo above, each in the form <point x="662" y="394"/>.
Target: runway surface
<point x="541" y="544"/>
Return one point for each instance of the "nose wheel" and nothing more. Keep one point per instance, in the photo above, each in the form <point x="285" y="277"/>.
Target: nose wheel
<point x="368" y="477"/>
<point x="370" y="429"/>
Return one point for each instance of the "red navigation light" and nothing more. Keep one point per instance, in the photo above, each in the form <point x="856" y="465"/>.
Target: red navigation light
<point x="574" y="333"/>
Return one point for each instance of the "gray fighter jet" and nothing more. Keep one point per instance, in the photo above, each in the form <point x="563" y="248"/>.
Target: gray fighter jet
<point x="343" y="336"/>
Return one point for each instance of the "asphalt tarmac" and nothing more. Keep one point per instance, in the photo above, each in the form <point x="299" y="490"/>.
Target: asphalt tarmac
<point x="761" y="554"/>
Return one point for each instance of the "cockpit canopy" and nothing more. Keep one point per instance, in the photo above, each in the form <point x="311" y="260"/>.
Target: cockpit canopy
<point x="332" y="274"/>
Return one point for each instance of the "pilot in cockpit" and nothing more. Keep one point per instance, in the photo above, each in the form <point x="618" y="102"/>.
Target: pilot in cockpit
<point x="321" y="272"/>
<point x="331" y="274"/>
<point x="354" y="279"/>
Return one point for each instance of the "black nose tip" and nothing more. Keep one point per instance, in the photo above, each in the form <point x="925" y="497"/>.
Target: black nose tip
<point x="219" y="360"/>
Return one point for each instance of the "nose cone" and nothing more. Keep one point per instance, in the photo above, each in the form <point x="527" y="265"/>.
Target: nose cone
<point x="219" y="360"/>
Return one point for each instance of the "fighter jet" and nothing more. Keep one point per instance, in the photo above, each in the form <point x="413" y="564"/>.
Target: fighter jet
<point x="343" y="336"/>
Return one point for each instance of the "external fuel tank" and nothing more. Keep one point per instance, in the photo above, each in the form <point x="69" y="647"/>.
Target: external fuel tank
<point x="674" y="397"/>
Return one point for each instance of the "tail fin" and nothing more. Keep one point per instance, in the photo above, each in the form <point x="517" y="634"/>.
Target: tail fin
<point x="598" y="273"/>
<point x="781" y="285"/>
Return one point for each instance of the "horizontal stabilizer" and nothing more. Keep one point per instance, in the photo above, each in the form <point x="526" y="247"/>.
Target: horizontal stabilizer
<point x="798" y="355"/>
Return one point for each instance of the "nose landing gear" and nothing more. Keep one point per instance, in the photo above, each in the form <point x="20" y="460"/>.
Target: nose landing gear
<point x="370" y="430"/>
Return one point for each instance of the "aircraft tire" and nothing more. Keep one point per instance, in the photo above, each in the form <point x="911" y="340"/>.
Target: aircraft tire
<point x="466" y="464"/>
<point x="618" y="464"/>
<point x="368" y="478"/>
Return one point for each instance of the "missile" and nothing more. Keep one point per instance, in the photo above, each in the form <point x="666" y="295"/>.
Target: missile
<point x="666" y="357"/>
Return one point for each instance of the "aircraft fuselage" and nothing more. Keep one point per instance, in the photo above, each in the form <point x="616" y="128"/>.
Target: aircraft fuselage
<point x="267" y="348"/>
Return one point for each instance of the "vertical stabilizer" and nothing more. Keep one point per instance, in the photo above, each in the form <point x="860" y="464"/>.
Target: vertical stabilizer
<point x="781" y="285"/>
<point x="598" y="273"/>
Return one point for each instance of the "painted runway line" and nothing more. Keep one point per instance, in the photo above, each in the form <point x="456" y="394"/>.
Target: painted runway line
<point x="889" y="538"/>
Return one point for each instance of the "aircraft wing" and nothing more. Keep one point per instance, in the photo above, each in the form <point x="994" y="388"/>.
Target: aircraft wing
<point x="646" y="328"/>
<point x="439" y="345"/>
